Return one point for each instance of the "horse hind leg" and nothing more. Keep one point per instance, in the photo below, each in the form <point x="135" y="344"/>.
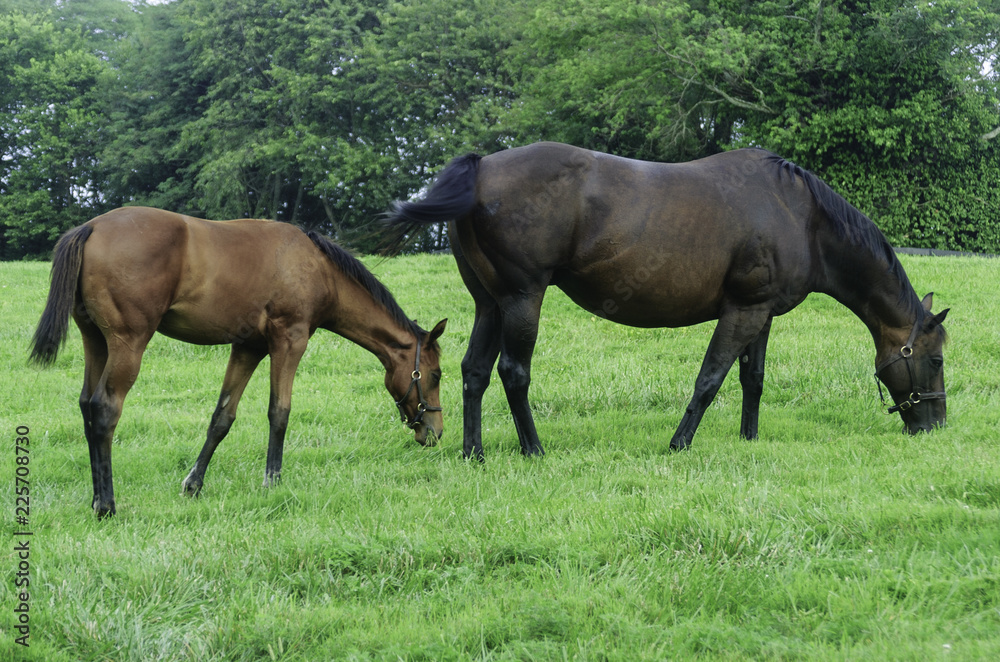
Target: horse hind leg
<point x="477" y="367"/>
<point x="242" y="363"/>
<point x="520" y="331"/>
<point x="95" y="354"/>
<point x="104" y="409"/>
<point x="479" y="359"/>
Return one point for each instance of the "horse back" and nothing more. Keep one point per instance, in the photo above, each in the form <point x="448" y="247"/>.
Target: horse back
<point x="627" y="238"/>
<point x="206" y="282"/>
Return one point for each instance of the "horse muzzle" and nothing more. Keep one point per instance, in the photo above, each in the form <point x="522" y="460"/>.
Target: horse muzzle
<point x="426" y="433"/>
<point x="918" y="428"/>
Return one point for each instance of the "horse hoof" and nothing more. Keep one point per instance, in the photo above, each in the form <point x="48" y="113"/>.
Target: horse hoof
<point x="103" y="511"/>
<point x="479" y="457"/>
<point x="190" y="489"/>
<point x="272" y="480"/>
<point x="474" y="453"/>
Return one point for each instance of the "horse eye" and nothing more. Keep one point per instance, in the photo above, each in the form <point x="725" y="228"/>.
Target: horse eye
<point x="937" y="362"/>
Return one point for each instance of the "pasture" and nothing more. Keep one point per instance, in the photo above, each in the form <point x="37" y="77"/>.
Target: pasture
<point x="833" y="536"/>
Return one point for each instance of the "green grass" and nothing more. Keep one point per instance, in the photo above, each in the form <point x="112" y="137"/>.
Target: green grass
<point x="834" y="536"/>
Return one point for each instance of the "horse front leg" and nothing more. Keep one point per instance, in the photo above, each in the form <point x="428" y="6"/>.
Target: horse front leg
<point x="242" y="363"/>
<point x="752" y="381"/>
<point x="520" y="331"/>
<point x="734" y="332"/>
<point x="287" y="347"/>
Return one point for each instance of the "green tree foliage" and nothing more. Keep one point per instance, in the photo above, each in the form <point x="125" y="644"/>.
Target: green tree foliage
<point x="275" y="108"/>
<point x="889" y="101"/>
<point x="322" y="112"/>
<point x="432" y="81"/>
<point x="155" y="95"/>
<point x="655" y="80"/>
<point x="51" y="80"/>
<point x="896" y="120"/>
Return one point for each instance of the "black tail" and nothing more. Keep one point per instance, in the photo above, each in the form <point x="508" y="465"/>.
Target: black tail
<point x="452" y="195"/>
<point x="52" y="328"/>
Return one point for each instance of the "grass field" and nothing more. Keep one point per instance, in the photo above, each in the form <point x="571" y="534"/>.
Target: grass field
<point x="834" y="536"/>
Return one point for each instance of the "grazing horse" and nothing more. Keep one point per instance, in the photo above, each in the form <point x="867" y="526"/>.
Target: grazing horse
<point x="262" y="287"/>
<point x="739" y="237"/>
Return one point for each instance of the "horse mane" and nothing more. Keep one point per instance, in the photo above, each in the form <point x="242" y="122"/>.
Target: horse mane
<point x="353" y="268"/>
<point x="851" y="225"/>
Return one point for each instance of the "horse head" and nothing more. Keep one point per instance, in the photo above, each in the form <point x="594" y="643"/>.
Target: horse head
<point x="913" y="371"/>
<point x="412" y="377"/>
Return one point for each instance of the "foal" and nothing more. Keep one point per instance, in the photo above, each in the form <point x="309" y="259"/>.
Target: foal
<point x="260" y="286"/>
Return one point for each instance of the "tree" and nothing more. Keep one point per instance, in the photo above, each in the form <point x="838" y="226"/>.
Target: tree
<point x="886" y="100"/>
<point x="152" y="97"/>
<point x="273" y="104"/>
<point x="897" y="119"/>
<point x="666" y="81"/>
<point x="51" y="123"/>
<point x="432" y="80"/>
<point x="322" y="112"/>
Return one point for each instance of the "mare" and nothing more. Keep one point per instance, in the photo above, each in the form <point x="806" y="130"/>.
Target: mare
<point x="260" y="286"/>
<point x="740" y="237"/>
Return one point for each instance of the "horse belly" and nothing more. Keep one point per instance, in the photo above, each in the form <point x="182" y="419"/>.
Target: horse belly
<point x="638" y="298"/>
<point x="211" y="324"/>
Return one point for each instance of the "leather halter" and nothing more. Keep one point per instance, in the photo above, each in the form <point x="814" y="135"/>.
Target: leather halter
<point x="905" y="354"/>
<point x="422" y="405"/>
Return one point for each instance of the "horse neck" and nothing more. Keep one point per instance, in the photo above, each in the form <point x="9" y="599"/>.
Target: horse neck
<point x="357" y="316"/>
<point x="864" y="283"/>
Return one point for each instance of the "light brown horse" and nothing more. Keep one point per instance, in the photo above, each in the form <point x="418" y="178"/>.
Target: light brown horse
<point x="261" y="286"/>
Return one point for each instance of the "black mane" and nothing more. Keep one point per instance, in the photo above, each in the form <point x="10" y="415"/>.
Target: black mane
<point x="353" y="268"/>
<point x="849" y="223"/>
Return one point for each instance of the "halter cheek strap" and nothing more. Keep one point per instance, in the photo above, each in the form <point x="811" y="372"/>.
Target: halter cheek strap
<point x="422" y="404"/>
<point x="905" y="353"/>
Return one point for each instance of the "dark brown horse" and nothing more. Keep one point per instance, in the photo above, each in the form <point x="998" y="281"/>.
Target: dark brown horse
<point x="740" y="237"/>
<point x="261" y="286"/>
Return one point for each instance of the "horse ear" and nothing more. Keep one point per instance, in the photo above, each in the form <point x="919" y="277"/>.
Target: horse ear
<point x="936" y="321"/>
<point x="927" y="301"/>
<point x="437" y="331"/>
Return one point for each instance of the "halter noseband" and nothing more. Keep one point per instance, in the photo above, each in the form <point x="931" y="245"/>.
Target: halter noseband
<point x="422" y="405"/>
<point x="905" y="352"/>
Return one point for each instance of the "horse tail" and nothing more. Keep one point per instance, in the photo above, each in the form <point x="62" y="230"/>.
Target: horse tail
<point x="54" y="325"/>
<point x="453" y="195"/>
